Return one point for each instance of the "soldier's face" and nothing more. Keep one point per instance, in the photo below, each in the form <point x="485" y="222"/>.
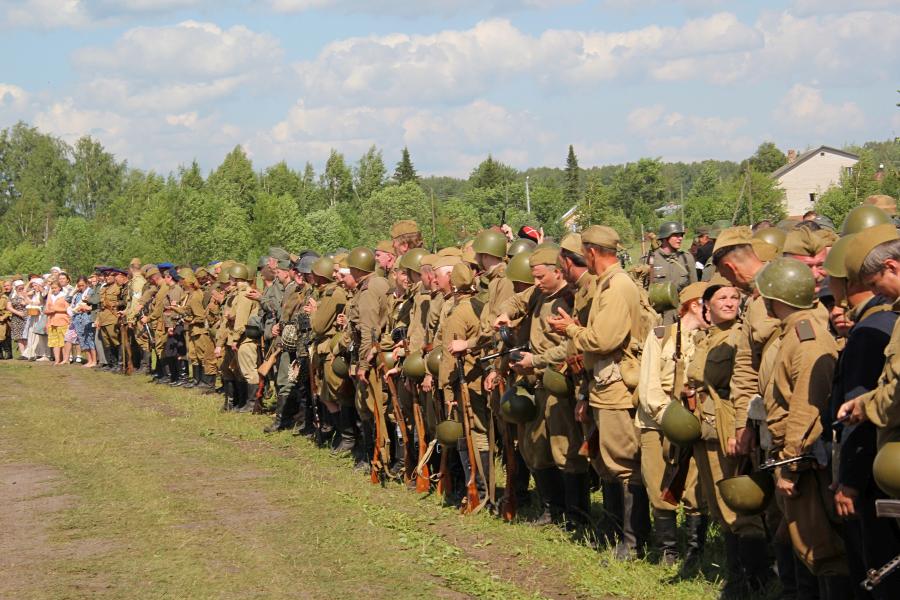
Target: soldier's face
<point x="839" y="320"/>
<point x="401" y="278"/>
<point x="815" y="263"/>
<point x="443" y="279"/>
<point x="724" y="305"/>
<point x="674" y="241"/>
<point x="547" y="278"/>
<point x="887" y="281"/>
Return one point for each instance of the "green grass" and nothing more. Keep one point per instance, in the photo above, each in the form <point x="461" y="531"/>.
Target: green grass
<point x="178" y="500"/>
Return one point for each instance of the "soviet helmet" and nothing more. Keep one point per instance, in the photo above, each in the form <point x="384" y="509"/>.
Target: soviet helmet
<point x="517" y="406"/>
<point x="771" y="235"/>
<point x="863" y="217"/>
<point x="556" y="383"/>
<point x="387" y="358"/>
<point x="490" y="241"/>
<point x="519" y="269"/>
<point x="680" y="425"/>
<point x="324" y="267"/>
<point x="239" y="271"/>
<point x="886" y="469"/>
<point x="747" y="495"/>
<point x="834" y="262"/>
<point x="520" y="245"/>
<point x="412" y="260"/>
<point x="663" y="296"/>
<point x="222" y="277"/>
<point x="669" y="228"/>
<point x="718" y="227"/>
<point x="433" y="360"/>
<point x="787" y="280"/>
<point x="448" y="432"/>
<point x="414" y="366"/>
<point x="361" y="258"/>
<point x="340" y="367"/>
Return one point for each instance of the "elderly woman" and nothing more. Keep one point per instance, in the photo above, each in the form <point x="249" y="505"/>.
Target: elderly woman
<point x="57" y="311"/>
<point x="36" y="325"/>
<point x="83" y="321"/>
<point x="17" y="303"/>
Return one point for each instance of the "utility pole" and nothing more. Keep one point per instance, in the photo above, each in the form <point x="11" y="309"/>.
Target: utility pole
<point x="527" y="195"/>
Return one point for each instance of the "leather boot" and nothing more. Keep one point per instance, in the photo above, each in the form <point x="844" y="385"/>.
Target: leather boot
<point x="327" y="427"/>
<point x="550" y="487"/>
<point x="346" y="430"/>
<point x="162" y="370"/>
<point x="611" y="524"/>
<point x="736" y="585"/>
<point x="522" y="481"/>
<point x="753" y="555"/>
<point x="635" y="523"/>
<point x="209" y="383"/>
<point x="578" y="498"/>
<point x="194" y="377"/>
<point x="249" y="396"/>
<point x="665" y="531"/>
<point x="281" y="421"/>
<point x="367" y="449"/>
<point x="696" y="525"/>
<point x="228" y="387"/>
<point x="398" y="465"/>
<point x="180" y="373"/>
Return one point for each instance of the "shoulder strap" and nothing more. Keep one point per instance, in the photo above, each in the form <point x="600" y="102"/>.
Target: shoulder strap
<point x="805" y="331"/>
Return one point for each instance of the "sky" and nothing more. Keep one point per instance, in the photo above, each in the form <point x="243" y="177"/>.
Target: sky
<point x="163" y="82"/>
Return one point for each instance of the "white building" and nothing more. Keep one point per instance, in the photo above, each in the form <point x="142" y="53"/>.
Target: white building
<point x="807" y="176"/>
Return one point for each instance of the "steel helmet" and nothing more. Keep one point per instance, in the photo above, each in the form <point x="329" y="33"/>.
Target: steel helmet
<point x="361" y="258"/>
<point x="448" y="432"/>
<point x="834" y="262"/>
<point x="863" y="217"/>
<point x="490" y="241"/>
<point x="387" y="357"/>
<point x="679" y="424"/>
<point x="324" y="267"/>
<point x="557" y="384"/>
<point x="517" y="406"/>
<point x="339" y="366"/>
<point x="412" y="260"/>
<point x="787" y="280"/>
<point x="772" y="235"/>
<point x="520" y="245"/>
<point x="668" y="229"/>
<point x="414" y="366"/>
<point x="747" y="495"/>
<point x="239" y="271"/>
<point x="663" y="296"/>
<point x="519" y="269"/>
<point x="433" y="360"/>
<point x="886" y="469"/>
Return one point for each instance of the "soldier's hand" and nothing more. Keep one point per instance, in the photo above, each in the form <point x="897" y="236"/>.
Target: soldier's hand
<point x="218" y="351"/>
<point x="253" y="294"/>
<point x="582" y="412"/>
<point x="427" y="383"/>
<point x="391" y="372"/>
<point x="786" y="488"/>
<point x="459" y="347"/>
<point x="311" y="306"/>
<point x="233" y="346"/>
<point x="276" y="329"/>
<point x="341" y="319"/>
<point x="745" y="440"/>
<point x="490" y="381"/>
<point x="501" y="320"/>
<point x="854" y="410"/>
<point x="843" y="501"/>
<point x="362" y="375"/>
<point x="145" y="320"/>
<point x="526" y="363"/>
<point x="561" y="323"/>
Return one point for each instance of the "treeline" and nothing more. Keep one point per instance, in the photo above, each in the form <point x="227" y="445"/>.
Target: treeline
<point x="80" y="205"/>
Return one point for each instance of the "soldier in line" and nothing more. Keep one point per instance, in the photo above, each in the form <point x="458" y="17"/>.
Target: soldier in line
<point x="670" y="264"/>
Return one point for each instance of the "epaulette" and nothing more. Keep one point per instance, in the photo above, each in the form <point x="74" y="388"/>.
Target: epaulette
<point x="805" y="331"/>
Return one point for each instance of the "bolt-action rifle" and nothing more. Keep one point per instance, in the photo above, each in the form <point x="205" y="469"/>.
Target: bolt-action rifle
<point x="472" y="497"/>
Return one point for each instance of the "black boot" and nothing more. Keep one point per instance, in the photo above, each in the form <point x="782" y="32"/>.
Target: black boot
<point x="194" y="378"/>
<point x="144" y="364"/>
<point x="327" y="424"/>
<point x="666" y="536"/>
<point x="578" y="499"/>
<point x="228" y="388"/>
<point x="753" y="554"/>
<point x="736" y="585"/>
<point x="696" y="525"/>
<point x="180" y="373"/>
<point x="248" y="399"/>
<point x="163" y="372"/>
<point x="367" y="448"/>
<point x="115" y="360"/>
<point x="346" y="430"/>
<point x="611" y="525"/>
<point x="209" y="383"/>
<point x="281" y="421"/>
<point x="550" y="487"/>
<point x="635" y="523"/>
<point x="398" y="465"/>
<point x="784" y="559"/>
<point x="522" y="481"/>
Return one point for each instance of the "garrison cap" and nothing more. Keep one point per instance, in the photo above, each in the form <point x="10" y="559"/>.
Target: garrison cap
<point x="450" y="251"/>
<point x="428" y="260"/>
<point x="279" y="253"/>
<point x="468" y="255"/>
<point x="462" y="277"/>
<point x="884" y="202"/>
<point x="405" y="227"/>
<point x="572" y="243"/>
<point x="135" y="262"/>
<point x="601" y="235"/>
<point x="447" y="261"/>
<point x="283" y="263"/>
<point x="201" y="272"/>
<point x="858" y="248"/>
<point x="164" y="265"/>
<point x="152" y="271"/>
<point x="692" y="292"/>
<point x="385" y="246"/>
<point x="803" y="242"/>
<point x="702" y="231"/>
<point x="715" y="282"/>
<point x="733" y="236"/>
<point x="765" y="251"/>
<point x="544" y="256"/>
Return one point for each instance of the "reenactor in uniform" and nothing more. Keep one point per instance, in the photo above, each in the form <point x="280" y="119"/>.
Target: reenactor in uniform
<point x="405" y="236"/>
<point x="174" y="347"/>
<point x="136" y="286"/>
<point x="273" y="316"/>
<point x="201" y="351"/>
<point x="237" y="309"/>
<point x="607" y="341"/>
<point x="669" y="263"/>
<point x="108" y="319"/>
<point x="385" y="258"/>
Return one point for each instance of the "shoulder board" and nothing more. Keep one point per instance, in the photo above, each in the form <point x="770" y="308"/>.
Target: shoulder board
<point x="805" y="331"/>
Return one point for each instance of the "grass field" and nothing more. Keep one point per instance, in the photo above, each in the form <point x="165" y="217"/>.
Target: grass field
<point x="116" y="488"/>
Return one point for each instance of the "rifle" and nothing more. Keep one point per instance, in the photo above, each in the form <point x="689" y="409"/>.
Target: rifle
<point x="423" y="477"/>
<point x="675" y="475"/>
<point x="509" y="502"/>
<point x="401" y="423"/>
<point x="466" y="409"/>
<point x="591" y="444"/>
<point x="377" y="470"/>
<point x="445" y="481"/>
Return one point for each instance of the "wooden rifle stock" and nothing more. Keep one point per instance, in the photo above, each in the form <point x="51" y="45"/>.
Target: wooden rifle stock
<point x="466" y="409"/>
<point x="423" y="478"/>
<point x="509" y="502"/>
<point x="401" y="423"/>
<point x="376" y="472"/>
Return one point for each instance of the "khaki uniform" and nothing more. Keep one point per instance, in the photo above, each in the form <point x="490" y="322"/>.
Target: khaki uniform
<point x="200" y="350"/>
<point x="332" y="302"/>
<point x="882" y="405"/>
<point x="796" y="393"/>
<point x="613" y="325"/>
<point x="677" y="267"/>
<point x="155" y="317"/>
<point x="4" y="316"/>
<point x="148" y="292"/>
<point x="756" y="328"/>
<point x="108" y="320"/>
<point x="248" y="350"/>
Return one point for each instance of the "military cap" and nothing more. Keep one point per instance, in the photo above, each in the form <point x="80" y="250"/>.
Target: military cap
<point x="884" y="202"/>
<point x="164" y="265"/>
<point x="385" y="246"/>
<point x="201" y="272"/>
<point x="828" y="237"/>
<point x="715" y="283"/>
<point x="340" y="260"/>
<point x="190" y="278"/>
<point x="403" y="228"/>
<point x="135" y="262"/>
<point x="213" y="263"/>
<point x="764" y="250"/>
<point x="858" y="248"/>
<point x="733" y="236"/>
<point x="146" y="268"/>
<point x="451" y="251"/>
<point x="704" y="230"/>
<point x="693" y="291"/>
<point x="572" y="243"/>
<point x="263" y="261"/>
<point x="601" y="235"/>
<point x="279" y="253"/>
<point x="447" y="261"/>
<point x="543" y="256"/>
<point x="803" y="242"/>
<point x="152" y="271"/>
<point x="173" y="274"/>
<point x="283" y="263"/>
<point x="118" y="271"/>
<point x="468" y="255"/>
<point x="428" y="260"/>
<point x="462" y="277"/>
<point x="304" y="265"/>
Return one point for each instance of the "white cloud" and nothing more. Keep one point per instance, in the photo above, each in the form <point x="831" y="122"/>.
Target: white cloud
<point x="12" y="97"/>
<point x="677" y="136"/>
<point x="421" y="7"/>
<point x="804" y="109"/>
<point x="52" y="14"/>
<point x="187" y="50"/>
<point x="69" y="122"/>
<point x="138" y="96"/>
<point x="818" y="7"/>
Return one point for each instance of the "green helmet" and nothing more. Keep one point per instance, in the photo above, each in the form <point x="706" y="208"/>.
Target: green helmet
<point x="747" y="495"/>
<point x="517" y="406"/>
<point x="834" y="262"/>
<point x="557" y="384"/>
<point x="518" y="268"/>
<point x="772" y="235"/>
<point x="222" y="277"/>
<point x="680" y="425"/>
<point x="324" y="267"/>
<point x="663" y="296"/>
<point x="339" y="366"/>
<point x="433" y="360"/>
<point x="787" y="280"/>
<point x="414" y="366"/>
<point x="412" y="260"/>
<point x="448" y="432"/>
<point x="361" y="258"/>
<point x="669" y="228"/>
<point x="718" y="227"/>
<point x="886" y="469"/>
<point x="520" y="245"/>
<point x="239" y="271"/>
<point x="387" y="357"/>
<point x="863" y="217"/>
<point x="490" y="241"/>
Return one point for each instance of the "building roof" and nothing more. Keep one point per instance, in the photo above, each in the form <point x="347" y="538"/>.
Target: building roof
<point x="801" y="158"/>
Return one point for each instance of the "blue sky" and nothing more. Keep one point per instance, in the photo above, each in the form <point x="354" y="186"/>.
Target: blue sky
<point x="161" y="82"/>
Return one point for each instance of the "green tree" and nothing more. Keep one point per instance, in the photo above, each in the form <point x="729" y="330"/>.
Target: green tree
<point x="24" y="258"/>
<point x="370" y="173"/>
<point x="97" y="177"/>
<point x="277" y="222"/>
<point x="208" y="227"/>
<point x="75" y="244"/>
<point x="191" y="178"/>
<point x="405" y="171"/>
<point x="595" y="208"/>
<point x="281" y="180"/>
<point x="457" y="221"/>
<point x="337" y="181"/>
<point x="573" y="179"/>
<point x="638" y="190"/>
<point x="491" y="174"/>
<point x="767" y="159"/>
<point x="234" y="179"/>
<point x="761" y="193"/>
<point x="329" y="231"/>
<point x="393" y="203"/>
